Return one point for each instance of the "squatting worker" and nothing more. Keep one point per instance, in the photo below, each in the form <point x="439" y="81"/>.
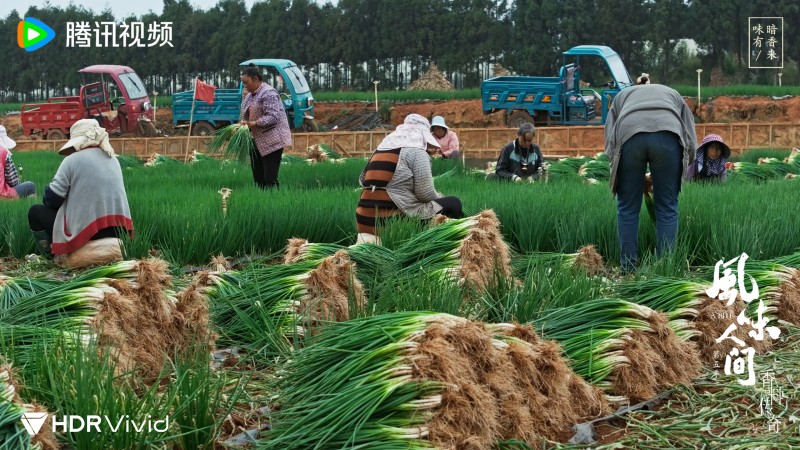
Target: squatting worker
<point x="648" y="124"/>
<point x="520" y="159"/>
<point x="262" y="111"/>
<point x="86" y="199"/>
<point x="398" y="180"/>
<point x="10" y="184"/>
<point x="447" y="139"/>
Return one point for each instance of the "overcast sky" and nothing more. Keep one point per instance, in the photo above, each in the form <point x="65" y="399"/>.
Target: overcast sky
<point x="120" y="8"/>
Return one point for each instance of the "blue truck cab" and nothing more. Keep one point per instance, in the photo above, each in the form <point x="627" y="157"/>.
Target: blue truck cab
<point x="557" y="100"/>
<point x="280" y="73"/>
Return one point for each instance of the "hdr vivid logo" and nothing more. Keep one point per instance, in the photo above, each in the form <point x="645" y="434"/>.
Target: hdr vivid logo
<point x="33" y="34"/>
<point x="33" y="422"/>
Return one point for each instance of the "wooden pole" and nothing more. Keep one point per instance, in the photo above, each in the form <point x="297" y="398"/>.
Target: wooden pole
<point x="191" y="119"/>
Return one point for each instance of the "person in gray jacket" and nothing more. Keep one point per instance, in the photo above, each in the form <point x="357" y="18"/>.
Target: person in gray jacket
<point x="398" y="180"/>
<point x="648" y="124"/>
<point x="86" y="199"/>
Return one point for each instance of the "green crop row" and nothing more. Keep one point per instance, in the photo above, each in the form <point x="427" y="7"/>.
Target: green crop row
<point x="178" y="210"/>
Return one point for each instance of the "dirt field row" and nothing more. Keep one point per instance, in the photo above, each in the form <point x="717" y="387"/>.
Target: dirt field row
<point x="468" y="114"/>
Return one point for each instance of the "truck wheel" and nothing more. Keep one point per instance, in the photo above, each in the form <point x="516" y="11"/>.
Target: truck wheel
<point x="202" y="129"/>
<point x="56" y="135"/>
<point x="146" y="129"/>
<point x="518" y="117"/>
<point x="310" y="125"/>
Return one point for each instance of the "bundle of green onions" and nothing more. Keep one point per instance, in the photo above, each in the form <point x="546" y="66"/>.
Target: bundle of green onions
<point x="128" y="161"/>
<point x="235" y="139"/>
<point x="291" y="159"/>
<point x="424" y="380"/>
<point x="753" y="171"/>
<point x="780" y="167"/>
<point x="686" y="301"/>
<point x="269" y="309"/>
<point x="321" y="152"/>
<point x="197" y="157"/>
<point x="598" y="168"/>
<point x="469" y="250"/>
<point x="158" y="159"/>
<point x="679" y="298"/>
<point x="12" y="434"/>
<point x="447" y="174"/>
<point x="778" y="281"/>
<point x="585" y="259"/>
<point x="794" y="158"/>
<point x="13" y="288"/>
<point x="374" y="263"/>
<point x="566" y="166"/>
<point x="257" y="307"/>
<point x="620" y="346"/>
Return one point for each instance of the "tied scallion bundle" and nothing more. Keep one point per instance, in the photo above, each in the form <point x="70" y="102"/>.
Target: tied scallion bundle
<point x="12" y="434"/>
<point x="235" y="140"/>
<point x="128" y="161"/>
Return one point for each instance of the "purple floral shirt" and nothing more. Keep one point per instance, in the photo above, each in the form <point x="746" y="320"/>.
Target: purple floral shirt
<point x="264" y="107"/>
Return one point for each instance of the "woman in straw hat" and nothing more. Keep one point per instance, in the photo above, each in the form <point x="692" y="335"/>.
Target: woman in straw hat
<point x="10" y="186"/>
<point x="86" y="199"/>
<point x="398" y="180"/>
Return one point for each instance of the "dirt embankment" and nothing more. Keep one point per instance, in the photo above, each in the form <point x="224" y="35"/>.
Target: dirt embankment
<point x="468" y="114"/>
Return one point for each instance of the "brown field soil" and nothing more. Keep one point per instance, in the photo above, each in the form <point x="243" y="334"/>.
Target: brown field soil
<point x="468" y="113"/>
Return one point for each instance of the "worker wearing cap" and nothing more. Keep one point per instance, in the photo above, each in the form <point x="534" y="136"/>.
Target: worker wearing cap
<point x="398" y="180"/>
<point x="447" y="139"/>
<point x="86" y="199"/>
<point x="520" y="159"/>
<point x="10" y="185"/>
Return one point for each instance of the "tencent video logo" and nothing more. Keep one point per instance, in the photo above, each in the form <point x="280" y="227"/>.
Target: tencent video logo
<point x="33" y="34"/>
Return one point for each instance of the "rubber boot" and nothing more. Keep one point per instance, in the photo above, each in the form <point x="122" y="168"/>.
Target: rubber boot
<point x="42" y="243"/>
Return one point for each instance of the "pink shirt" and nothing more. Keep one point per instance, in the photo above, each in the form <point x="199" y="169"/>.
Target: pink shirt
<point x="449" y="143"/>
<point x="264" y="107"/>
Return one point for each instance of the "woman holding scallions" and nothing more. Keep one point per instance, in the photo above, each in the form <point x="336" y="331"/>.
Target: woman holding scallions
<point x="86" y="200"/>
<point x="648" y="124"/>
<point x="398" y="180"/>
<point x="262" y="111"/>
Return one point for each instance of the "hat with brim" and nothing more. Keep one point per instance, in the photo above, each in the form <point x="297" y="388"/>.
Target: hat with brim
<point x="6" y="141"/>
<point x="438" y="121"/>
<point x="726" y="151"/>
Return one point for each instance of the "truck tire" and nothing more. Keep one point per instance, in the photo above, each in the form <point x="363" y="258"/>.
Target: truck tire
<point x="202" y="129"/>
<point x="146" y="129"/>
<point x="56" y="135"/>
<point x="310" y="125"/>
<point x="518" y="117"/>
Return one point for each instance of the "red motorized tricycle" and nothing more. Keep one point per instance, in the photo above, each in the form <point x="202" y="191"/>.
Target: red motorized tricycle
<point x="128" y="112"/>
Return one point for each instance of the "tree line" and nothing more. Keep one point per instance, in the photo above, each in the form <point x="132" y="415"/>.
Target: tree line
<point x="355" y="42"/>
